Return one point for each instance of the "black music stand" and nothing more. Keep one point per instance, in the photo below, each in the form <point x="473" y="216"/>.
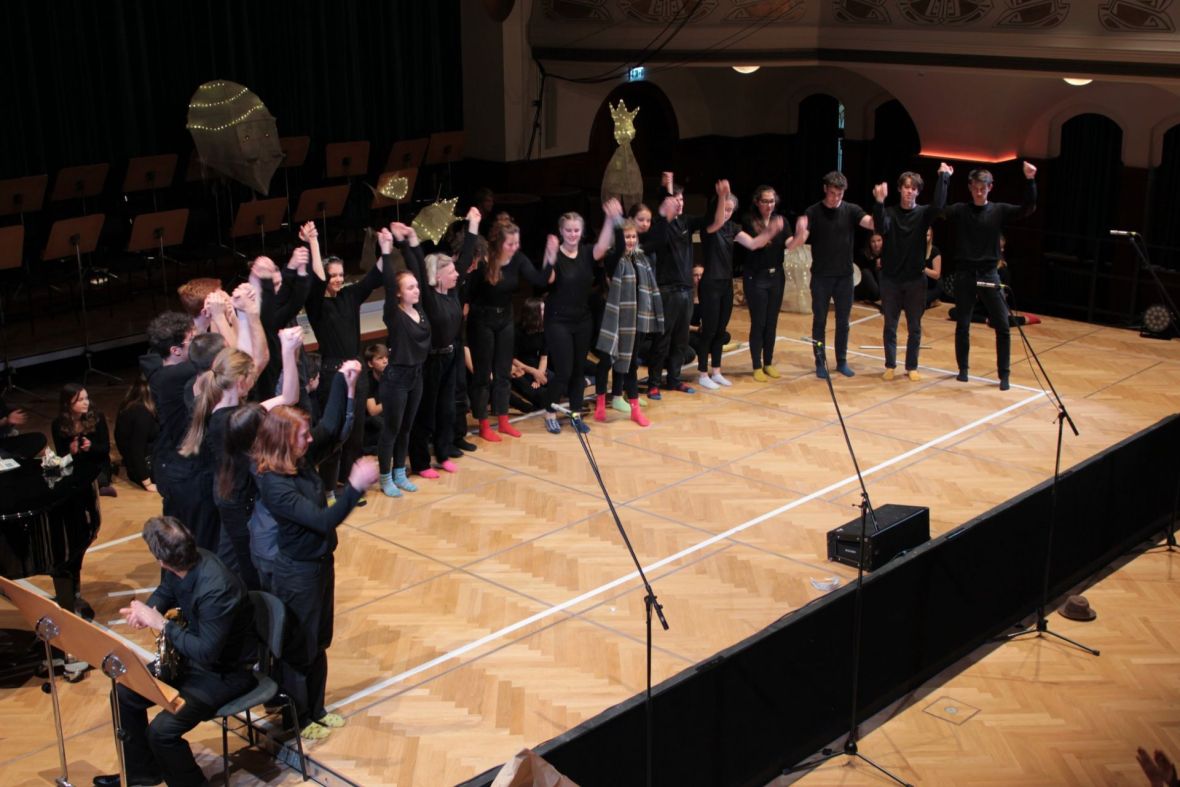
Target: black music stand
<point x="294" y="155"/>
<point x="12" y="244"/>
<point x="381" y="201"/>
<point x="259" y="216"/>
<point x="323" y="203"/>
<point x="346" y="159"/>
<point x="150" y="173"/>
<point x="22" y="195"/>
<point x="446" y="147"/>
<point x="75" y="237"/>
<point x="155" y="231"/>
<point x="79" y="183"/>
<point x="407" y="153"/>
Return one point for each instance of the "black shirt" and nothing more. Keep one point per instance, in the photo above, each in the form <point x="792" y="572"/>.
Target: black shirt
<point x="978" y="228"/>
<point x="569" y="297"/>
<point x="903" y="257"/>
<point x="306" y="523"/>
<point x="831" y="232"/>
<point x="337" y="321"/>
<point x="718" y="247"/>
<point x="770" y="256"/>
<point x="445" y="312"/>
<point x="167" y="384"/>
<point x="499" y="296"/>
<point x="671" y="242"/>
<point x="528" y="347"/>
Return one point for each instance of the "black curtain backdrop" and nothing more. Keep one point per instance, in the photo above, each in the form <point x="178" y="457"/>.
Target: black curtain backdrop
<point x="87" y="82"/>
<point x="1164" y="230"/>
<point x="1085" y="184"/>
<point x="814" y="148"/>
<point x="894" y="146"/>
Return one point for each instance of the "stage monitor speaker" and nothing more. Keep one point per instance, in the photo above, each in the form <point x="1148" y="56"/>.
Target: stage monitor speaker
<point x="901" y="528"/>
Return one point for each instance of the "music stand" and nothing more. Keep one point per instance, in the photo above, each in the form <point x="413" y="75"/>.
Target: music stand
<point x="325" y="202"/>
<point x="407" y="153"/>
<point x="446" y="147"/>
<point x="155" y="231"/>
<point x="22" y="195"/>
<point x="79" y="183"/>
<point x="346" y="159"/>
<point x="294" y="154"/>
<point x="12" y="244"/>
<point x="75" y="237"/>
<point x="119" y="661"/>
<point x="150" y="173"/>
<point x="261" y="216"/>
<point x="381" y="201"/>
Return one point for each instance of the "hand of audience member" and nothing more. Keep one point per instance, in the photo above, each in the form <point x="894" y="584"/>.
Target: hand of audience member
<point x="385" y="240"/>
<point x="263" y="267"/>
<point x="291" y="337"/>
<point x="364" y="473"/>
<point x="1159" y="770"/>
<point x="880" y="192"/>
<point x="299" y="259"/>
<point x="245" y="298"/>
<point x="944" y="168"/>
<point x="84" y="444"/>
<point x="1030" y="171"/>
<point x="308" y="232"/>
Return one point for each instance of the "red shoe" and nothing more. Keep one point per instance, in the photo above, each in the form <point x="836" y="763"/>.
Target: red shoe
<point x="637" y="414"/>
<point x="507" y="428"/>
<point x="485" y="431"/>
<point x="1031" y="319"/>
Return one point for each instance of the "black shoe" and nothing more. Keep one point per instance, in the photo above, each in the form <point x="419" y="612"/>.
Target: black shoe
<point x="465" y="444"/>
<point x="454" y="452"/>
<point x="112" y="780"/>
<point x="83" y="609"/>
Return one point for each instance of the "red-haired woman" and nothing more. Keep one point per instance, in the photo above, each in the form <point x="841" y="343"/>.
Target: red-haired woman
<point x="292" y="492"/>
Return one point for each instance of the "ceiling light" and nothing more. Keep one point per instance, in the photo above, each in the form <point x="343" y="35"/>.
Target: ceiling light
<point x="1077" y="81"/>
<point x="746" y="69"/>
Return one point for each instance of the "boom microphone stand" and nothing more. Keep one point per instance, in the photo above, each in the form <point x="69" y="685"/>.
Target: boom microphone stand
<point x="649" y="601"/>
<point x="1042" y="623"/>
<point x="867" y="514"/>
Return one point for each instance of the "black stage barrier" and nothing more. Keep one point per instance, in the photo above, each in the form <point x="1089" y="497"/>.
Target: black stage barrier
<point x="779" y="696"/>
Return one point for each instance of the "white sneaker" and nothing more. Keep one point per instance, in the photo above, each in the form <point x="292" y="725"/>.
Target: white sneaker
<point x="717" y="378"/>
<point x="706" y="382"/>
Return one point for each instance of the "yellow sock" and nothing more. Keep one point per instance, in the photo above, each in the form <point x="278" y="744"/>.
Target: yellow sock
<point x="771" y="371"/>
<point x="760" y="376"/>
<point x="888" y="375"/>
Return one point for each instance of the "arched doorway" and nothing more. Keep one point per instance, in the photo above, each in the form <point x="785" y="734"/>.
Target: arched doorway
<point x="1084" y="185"/>
<point x="656" y="129"/>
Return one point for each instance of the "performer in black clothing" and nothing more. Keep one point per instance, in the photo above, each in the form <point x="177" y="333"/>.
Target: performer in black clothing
<point x="830" y="226"/>
<point x="490" y="288"/>
<point x="435" y="422"/>
<point x="715" y="290"/>
<point x="334" y="312"/>
<point x="169" y="372"/>
<point x="293" y="495"/>
<point x="217" y="644"/>
<point x="25" y="446"/>
<point x="401" y="385"/>
<point x="765" y="235"/>
<point x="977" y="228"/>
<point x="278" y="308"/>
<point x="571" y="266"/>
<point x="904" y="229"/>
<point x="670" y="240"/>
<point x="135" y="433"/>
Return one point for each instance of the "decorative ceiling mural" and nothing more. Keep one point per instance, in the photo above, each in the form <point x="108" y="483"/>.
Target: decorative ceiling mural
<point x="1136" y="16"/>
<point x="664" y="11"/>
<point x="1034" y="14"/>
<point x="944" y="12"/>
<point x="862" y="12"/>
<point x="578" y="10"/>
<point x="769" y="10"/>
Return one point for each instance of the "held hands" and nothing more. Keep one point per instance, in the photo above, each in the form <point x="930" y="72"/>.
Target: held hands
<point x="775" y="225"/>
<point x="880" y="192"/>
<point x="474" y="217"/>
<point x="400" y="231"/>
<point x="613" y="209"/>
<point x="385" y="240"/>
<point x="351" y="371"/>
<point x="1030" y="171"/>
<point x="140" y="616"/>
<point x="551" y="244"/>
<point x="299" y="259"/>
<point x="291" y="338"/>
<point x="364" y="473"/>
<point x="945" y="169"/>
<point x="538" y="378"/>
<point x="722" y="187"/>
<point x="666" y="180"/>
<point x="308" y="233"/>
<point x="245" y="299"/>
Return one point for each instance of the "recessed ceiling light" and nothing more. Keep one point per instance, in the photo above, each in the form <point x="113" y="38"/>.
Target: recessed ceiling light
<point x="1077" y="81"/>
<point x="746" y="69"/>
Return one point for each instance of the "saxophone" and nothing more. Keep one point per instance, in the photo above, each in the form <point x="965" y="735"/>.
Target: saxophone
<point x="168" y="664"/>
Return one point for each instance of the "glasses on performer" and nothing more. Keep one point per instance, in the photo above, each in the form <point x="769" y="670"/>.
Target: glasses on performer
<point x="766" y="201"/>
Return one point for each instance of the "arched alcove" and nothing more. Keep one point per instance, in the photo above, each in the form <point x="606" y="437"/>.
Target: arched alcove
<point x="656" y="128"/>
<point x="1084" y="184"/>
<point x="1163" y="231"/>
<point x="816" y="147"/>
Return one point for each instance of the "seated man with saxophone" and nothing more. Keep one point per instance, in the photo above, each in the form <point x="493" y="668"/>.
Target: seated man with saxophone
<point x="216" y="645"/>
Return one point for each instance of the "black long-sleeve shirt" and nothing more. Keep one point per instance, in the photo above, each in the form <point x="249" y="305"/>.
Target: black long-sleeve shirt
<point x="99" y="437"/>
<point x="444" y="311"/>
<point x="409" y="339"/>
<point x="770" y="256"/>
<point x="671" y="243"/>
<point x="306" y="524"/>
<point x="481" y="292"/>
<point x="278" y="310"/>
<point x="219" y="633"/>
<point x="978" y="228"/>
<point x="903" y="256"/>
<point x="168" y="384"/>
<point x="135" y="434"/>
<point x="337" y="320"/>
<point x="569" y="296"/>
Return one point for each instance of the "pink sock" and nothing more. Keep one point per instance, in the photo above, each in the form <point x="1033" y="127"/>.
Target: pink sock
<point x="429" y="472"/>
<point x="450" y="466"/>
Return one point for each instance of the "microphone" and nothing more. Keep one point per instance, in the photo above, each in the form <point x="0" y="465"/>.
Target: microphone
<point x="991" y="285"/>
<point x="561" y="408"/>
<point x="1124" y="233"/>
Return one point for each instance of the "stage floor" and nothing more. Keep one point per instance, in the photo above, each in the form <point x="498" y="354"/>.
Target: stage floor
<point x="496" y="608"/>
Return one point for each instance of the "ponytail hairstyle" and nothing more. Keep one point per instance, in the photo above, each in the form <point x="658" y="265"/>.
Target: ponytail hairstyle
<point x="241" y="428"/>
<point x="500" y="233"/>
<point x="275" y="449"/>
<point x="229" y="367"/>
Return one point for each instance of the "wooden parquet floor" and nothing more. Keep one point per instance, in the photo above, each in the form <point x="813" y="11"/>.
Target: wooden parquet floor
<point x="497" y="608"/>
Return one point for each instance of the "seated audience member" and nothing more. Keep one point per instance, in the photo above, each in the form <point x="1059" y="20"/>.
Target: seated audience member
<point x="530" y="363"/>
<point x="217" y="644"/>
<point x="135" y="433"/>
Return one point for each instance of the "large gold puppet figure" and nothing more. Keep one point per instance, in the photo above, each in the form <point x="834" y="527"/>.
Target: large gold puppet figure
<point x="622" y="178"/>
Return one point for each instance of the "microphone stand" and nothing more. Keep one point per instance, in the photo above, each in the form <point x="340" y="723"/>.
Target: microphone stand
<point x="867" y="514"/>
<point x="1042" y="623"/>
<point x="649" y="600"/>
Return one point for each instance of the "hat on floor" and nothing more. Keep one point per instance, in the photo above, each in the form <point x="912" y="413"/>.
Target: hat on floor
<point x="1077" y="608"/>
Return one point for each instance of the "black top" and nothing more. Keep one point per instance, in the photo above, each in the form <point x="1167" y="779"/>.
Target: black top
<point x="904" y="255"/>
<point x="99" y="437"/>
<point x="167" y="384"/>
<point x="278" y="310"/>
<point x="831" y="232"/>
<point x="671" y="242"/>
<point x="569" y="297"/>
<point x="135" y="434"/>
<point x="499" y="296"/>
<point x="337" y="321"/>
<point x="528" y="347"/>
<point x="219" y="633"/>
<point x="409" y="339"/>
<point x="718" y="247"/>
<point x="445" y="312"/>
<point x="306" y="524"/>
<point x="978" y="228"/>
<point x="770" y="256"/>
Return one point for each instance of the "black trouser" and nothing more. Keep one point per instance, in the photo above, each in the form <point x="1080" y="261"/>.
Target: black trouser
<point x="716" y="308"/>
<point x="997" y="311"/>
<point x="159" y="749"/>
<point x="401" y="392"/>
<point x="868" y="289"/>
<point x="353" y="447"/>
<point x="526" y="398"/>
<point x="188" y="496"/>
<point x="567" y="344"/>
<point x="764" y="297"/>
<point x="825" y="289"/>
<point x="909" y="296"/>
<point x="666" y="350"/>
<point x="235" y="532"/>
<point x="308" y="589"/>
<point x="933" y="290"/>
<point x="462" y="405"/>
<point x="435" y="422"/>
<point x="489" y="332"/>
<point x="629" y="381"/>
